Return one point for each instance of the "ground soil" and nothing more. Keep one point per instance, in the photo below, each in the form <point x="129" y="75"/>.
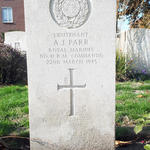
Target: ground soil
<point x="14" y="143"/>
<point x="135" y="146"/>
<point x="21" y="143"/>
<point x="132" y="141"/>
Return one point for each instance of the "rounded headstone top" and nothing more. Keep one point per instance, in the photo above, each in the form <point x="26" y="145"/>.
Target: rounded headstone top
<point x="70" y="13"/>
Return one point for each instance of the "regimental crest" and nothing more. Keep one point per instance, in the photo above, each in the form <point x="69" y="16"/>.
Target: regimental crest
<point x="70" y="13"/>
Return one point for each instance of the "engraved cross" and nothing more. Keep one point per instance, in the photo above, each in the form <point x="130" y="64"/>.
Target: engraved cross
<point x="71" y="86"/>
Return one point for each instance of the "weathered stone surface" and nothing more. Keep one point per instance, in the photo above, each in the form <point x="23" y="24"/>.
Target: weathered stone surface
<point x="71" y="71"/>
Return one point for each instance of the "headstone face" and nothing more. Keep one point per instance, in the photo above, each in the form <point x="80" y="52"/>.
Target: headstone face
<point x="71" y="72"/>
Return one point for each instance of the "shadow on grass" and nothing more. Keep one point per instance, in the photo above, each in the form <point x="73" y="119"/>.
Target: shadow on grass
<point x="7" y="128"/>
<point x="128" y="134"/>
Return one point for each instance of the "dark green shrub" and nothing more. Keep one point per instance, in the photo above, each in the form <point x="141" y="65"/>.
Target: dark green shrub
<point x="2" y="37"/>
<point x="13" y="67"/>
<point x="123" y="67"/>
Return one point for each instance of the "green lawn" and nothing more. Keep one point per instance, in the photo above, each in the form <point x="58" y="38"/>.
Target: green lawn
<point x="132" y="101"/>
<point x="14" y="110"/>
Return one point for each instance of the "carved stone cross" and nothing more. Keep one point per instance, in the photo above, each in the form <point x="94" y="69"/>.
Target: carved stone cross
<point x="71" y="86"/>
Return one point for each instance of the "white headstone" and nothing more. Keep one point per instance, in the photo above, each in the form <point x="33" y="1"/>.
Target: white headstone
<point x="71" y="70"/>
<point x="17" y="39"/>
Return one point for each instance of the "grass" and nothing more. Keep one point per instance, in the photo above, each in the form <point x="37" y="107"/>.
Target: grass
<point x="132" y="101"/>
<point x="14" y="110"/>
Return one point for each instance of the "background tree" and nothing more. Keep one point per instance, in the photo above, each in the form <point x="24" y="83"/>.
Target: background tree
<point x="136" y="11"/>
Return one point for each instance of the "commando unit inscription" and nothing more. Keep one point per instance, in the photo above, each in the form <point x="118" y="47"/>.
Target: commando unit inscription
<point x="71" y="48"/>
